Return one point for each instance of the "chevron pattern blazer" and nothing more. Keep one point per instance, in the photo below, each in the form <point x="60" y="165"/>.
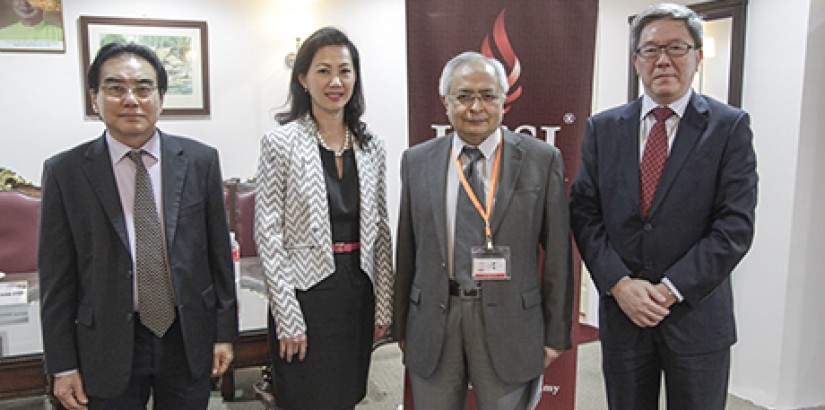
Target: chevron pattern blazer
<point x="292" y="228"/>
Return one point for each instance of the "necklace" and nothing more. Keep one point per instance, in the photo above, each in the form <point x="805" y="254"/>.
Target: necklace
<point x="338" y="152"/>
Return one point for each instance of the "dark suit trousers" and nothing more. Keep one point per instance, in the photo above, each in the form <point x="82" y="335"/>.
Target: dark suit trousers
<point x="159" y="368"/>
<point x="692" y="382"/>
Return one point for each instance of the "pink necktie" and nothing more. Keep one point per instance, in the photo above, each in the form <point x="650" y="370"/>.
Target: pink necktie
<point x="654" y="157"/>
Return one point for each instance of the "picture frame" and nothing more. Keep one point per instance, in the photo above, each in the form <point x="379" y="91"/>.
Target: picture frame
<point x="32" y="26"/>
<point x="181" y="45"/>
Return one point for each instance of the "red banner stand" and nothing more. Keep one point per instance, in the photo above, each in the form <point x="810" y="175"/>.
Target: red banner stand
<point x="547" y="48"/>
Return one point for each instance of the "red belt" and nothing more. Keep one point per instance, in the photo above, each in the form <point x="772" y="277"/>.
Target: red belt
<point x="345" y="247"/>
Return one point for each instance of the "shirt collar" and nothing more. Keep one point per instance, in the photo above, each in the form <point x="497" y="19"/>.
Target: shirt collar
<point x="487" y="147"/>
<point x="119" y="150"/>
<point x="679" y="106"/>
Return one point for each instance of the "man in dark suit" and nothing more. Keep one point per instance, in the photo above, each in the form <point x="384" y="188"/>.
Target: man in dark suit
<point x="662" y="211"/>
<point x="110" y="337"/>
<point x="469" y="303"/>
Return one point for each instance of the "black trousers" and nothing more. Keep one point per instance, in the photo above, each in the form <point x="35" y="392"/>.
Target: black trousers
<point x="692" y="381"/>
<point x="159" y="369"/>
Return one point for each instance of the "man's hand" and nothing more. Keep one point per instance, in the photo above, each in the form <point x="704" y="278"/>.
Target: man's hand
<point x="221" y="358"/>
<point x="641" y="301"/>
<point x="670" y="298"/>
<point x="291" y="346"/>
<point x="69" y="390"/>
<point x="550" y="354"/>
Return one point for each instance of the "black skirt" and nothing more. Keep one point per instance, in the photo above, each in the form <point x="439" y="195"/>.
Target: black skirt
<point x="339" y="313"/>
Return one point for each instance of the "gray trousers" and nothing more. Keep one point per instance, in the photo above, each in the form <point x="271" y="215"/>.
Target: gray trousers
<point x="465" y="359"/>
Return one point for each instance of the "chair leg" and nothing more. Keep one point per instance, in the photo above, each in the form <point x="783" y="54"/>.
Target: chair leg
<point x="263" y="389"/>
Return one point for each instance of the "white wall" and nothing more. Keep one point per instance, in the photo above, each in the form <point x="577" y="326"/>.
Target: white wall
<point x="779" y="359"/>
<point x="780" y="283"/>
<point x="41" y="104"/>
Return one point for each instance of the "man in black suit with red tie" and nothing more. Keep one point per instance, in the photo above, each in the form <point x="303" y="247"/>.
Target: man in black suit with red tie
<point x="137" y="287"/>
<point x="662" y="211"/>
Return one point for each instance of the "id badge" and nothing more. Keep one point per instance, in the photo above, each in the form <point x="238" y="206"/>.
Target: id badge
<point x="491" y="263"/>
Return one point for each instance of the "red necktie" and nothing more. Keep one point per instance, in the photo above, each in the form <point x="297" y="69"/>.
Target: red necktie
<point x="653" y="159"/>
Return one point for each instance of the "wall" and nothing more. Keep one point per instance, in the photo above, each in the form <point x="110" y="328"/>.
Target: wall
<point x="41" y="105"/>
<point x="805" y="364"/>
<point x="778" y="361"/>
<point x="782" y="363"/>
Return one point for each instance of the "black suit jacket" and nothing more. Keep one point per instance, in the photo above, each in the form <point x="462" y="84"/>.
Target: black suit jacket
<point x="699" y="226"/>
<point x="85" y="265"/>
<point x="521" y="315"/>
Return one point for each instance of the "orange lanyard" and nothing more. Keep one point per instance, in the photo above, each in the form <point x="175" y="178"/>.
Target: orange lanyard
<point x="490" y="193"/>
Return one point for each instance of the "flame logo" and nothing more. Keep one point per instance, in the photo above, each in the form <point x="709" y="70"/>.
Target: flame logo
<point x="507" y="56"/>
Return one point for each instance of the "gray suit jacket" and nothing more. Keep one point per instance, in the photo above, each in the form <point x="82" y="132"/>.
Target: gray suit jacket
<point x="522" y="315"/>
<point x="85" y="265"/>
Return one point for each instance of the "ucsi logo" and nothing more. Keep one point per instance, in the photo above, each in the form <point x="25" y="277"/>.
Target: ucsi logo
<point x="545" y="132"/>
<point x="500" y="42"/>
<point x="497" y="45"/>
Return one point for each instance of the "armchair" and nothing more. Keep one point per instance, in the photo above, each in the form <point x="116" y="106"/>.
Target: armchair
<point x="19" y="219"/>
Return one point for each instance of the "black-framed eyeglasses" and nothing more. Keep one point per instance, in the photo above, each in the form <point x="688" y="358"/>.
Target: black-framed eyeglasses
<point x="467" y="99"/>
<point x="676" y="49"/>
<point x="119" y="90"/>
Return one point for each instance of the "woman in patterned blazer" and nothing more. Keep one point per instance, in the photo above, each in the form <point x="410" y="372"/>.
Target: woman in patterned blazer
<point x="322" y="231"/>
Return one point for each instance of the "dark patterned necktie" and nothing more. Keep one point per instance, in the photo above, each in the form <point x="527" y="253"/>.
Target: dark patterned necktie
<point x="469" y="225"/>
<point x="654" y="157"/>
<point x="154" y="285"/>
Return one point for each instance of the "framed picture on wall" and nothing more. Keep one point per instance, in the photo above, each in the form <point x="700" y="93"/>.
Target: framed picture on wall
<point x="180" y="45"/>
<point x="32" y="25"/>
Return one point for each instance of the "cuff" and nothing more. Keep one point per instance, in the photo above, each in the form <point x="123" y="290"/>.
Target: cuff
<point x="673" y="290"/>
<point x="65" y="373"/>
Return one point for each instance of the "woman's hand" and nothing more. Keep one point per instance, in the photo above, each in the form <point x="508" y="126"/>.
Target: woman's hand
<point x="293" y="345"/>
<point x="380" y="331"/>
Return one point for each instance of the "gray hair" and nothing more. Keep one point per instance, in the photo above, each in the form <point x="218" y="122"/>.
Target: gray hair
<point x="467" y="58"/>
<point x="671" y="11"/>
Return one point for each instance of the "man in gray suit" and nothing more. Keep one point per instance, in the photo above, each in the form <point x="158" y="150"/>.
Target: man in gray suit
<point x="102" y="232"/>
<point x="470" y="302"/>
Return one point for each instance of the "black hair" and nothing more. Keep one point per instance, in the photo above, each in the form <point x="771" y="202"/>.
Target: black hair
<point x="299" y="100"/>
<point x="113" y="50"/>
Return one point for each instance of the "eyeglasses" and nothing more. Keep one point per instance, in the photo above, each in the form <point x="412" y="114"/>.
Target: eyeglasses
<point x="118" y="91"/>
<point x="467" y="99"/>
<point x="652" y="51"/>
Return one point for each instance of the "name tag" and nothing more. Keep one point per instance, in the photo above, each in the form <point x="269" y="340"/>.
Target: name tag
<point x="14" y="293"/>
<point x="491" y="263"/>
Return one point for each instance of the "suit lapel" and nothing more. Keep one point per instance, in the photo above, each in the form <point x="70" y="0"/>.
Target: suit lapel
<point x="173" y="172"/>
<point x="511" y="163"/>
<point x="690" y="129"/>
<point x="628" y="152"/>
<point x="439" y="160"/>
<point x="98" y="170"/>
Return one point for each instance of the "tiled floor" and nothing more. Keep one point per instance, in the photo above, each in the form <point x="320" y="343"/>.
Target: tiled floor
<point x="385" y="386"/>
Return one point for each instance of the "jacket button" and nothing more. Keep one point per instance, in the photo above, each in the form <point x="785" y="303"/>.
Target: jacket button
<point x="129" y="317"/>
<point x="648" y="227"/>
<point x="129" y="273"/>
<point x="443" y="307"/>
